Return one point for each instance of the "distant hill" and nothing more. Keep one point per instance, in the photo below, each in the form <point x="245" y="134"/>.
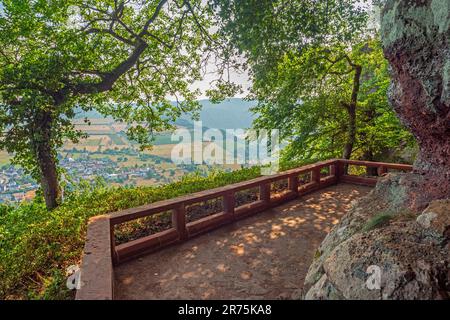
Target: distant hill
<point x="230" y="114"/>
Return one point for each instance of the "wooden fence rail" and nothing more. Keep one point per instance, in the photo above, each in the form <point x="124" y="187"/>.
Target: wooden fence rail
<point x="181" y="230"/>
<point x="101" y="251"/>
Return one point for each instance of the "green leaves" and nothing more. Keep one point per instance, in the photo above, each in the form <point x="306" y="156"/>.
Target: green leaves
<point x="123" y="58"/>
<point x="323" y="81"/>
<point x="302" y="57"/>
<point x="266" y="30"/>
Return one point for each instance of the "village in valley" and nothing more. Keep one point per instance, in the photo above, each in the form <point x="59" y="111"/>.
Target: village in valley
<point x="106" y="155"/>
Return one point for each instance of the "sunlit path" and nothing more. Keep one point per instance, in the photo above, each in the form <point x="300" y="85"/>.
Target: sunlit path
<point x="265" y="256"/>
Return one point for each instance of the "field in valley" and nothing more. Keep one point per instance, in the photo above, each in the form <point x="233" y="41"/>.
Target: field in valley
<point x="105" y="134"/>
<point x="107" y="140"/>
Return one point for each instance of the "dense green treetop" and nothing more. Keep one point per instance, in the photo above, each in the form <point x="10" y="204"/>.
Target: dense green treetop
<point x="318" y="75"/>
<point x="307" y="99"/>
<point x="264" y="30"/>
<point x="122" y="58"/>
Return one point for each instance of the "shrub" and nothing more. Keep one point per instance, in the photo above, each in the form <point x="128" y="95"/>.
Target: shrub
<point x="4" y="209"/>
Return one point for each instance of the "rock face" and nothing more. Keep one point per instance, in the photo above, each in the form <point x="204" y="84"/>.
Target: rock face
<point x="404" y="257"/>
<point x="387" y="246"/>
<point x="436" y="218"/>
<point x="416" y="36"/>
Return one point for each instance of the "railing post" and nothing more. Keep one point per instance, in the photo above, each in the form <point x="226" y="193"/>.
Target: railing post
<point x="97" y="275"/>
<point x="381" y="170"/>
<point x="333" y="169"/>
<point x="315" y="175"/>
<point x="264" y="192"/>
<point x="229" y="203"/>
<point x="293" y="183"/>
<point x="339" y="168"/>
<point x="179" y="221"/>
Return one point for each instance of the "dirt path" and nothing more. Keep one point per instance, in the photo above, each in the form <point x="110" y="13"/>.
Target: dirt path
<point x="265" y="256"/>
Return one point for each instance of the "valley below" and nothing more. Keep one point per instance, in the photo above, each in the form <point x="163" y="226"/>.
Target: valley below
<point x="107" y="154"/>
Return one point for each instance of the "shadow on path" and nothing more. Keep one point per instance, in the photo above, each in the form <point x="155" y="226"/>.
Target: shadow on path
<point x="265" y="256"/>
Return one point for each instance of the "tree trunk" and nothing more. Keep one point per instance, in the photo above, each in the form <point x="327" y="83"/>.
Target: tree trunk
<point x="368" y="156"/>
<point x="416" y="37"/>
<point x="351" y="133"/>
<point x="46" y="161"/>
<point x="351" y="111"/>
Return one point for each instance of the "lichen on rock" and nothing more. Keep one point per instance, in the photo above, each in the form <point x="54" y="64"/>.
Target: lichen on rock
<point x="441" y="13"/>
<point x="436" y="217"/>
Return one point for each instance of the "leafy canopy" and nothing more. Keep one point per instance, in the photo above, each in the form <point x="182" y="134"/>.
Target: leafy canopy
<point x="306" y="98"/>
<point x="302" y="57"/>
<point x="122" y="58"/>
<point x="265" y="30"/>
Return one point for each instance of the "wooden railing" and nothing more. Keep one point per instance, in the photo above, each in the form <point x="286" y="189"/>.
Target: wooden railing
<point x="382" y="169"/>
<point x="101" y="251"/>
<point x="181" y="230"/>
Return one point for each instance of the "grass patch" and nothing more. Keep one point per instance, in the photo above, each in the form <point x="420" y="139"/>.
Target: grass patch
<point x="317" y="254"/>
<point x="383" y="218"/>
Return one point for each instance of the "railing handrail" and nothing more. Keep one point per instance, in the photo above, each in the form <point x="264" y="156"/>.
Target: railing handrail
<point x="159" y="206"/>
<point x="163" y="205"/>
<point x="182" y="230"/>
<point x="374" y="164"/>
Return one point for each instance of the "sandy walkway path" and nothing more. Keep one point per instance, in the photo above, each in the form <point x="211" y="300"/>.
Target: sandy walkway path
<point x="265" y="256"/>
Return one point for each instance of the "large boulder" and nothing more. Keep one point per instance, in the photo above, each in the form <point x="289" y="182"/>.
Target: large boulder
<point x="401" y="256"/>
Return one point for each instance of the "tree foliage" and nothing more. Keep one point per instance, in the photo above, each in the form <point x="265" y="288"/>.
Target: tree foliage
<point x="37" y="245"/>
<point x="318" y="75"/>
<point x="306" y="98"/>
<point x="264" y="31"/>
<point x="122" y="58"/>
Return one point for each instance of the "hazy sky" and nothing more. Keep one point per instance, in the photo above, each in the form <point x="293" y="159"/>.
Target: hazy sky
<point x="240" y="78"/>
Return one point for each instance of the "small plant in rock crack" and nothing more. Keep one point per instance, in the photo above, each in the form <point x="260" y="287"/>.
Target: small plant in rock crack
<point x="378" y="221"/>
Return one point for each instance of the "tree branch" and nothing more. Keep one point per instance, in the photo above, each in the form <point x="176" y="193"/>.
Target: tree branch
<point x="111" y="32"/>
<point x="111" y="77"/>
<point x="153" y="17"/>
<point x="199" y="25"/>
